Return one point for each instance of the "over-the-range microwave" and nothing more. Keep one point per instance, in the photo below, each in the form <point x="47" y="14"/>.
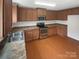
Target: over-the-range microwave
<point x="42" y="18"/>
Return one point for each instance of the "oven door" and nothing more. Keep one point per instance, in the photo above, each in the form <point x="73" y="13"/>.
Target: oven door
<point x="43" y="32"/>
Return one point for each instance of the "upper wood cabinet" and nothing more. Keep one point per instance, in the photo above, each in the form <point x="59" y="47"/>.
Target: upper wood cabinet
<point x="14" y="13"/>
<point x="75" y="11"/>
<point x="5" y="17"/>
<point x="62" y="15"/>
<point x="51" y="15"/>
<point x="22" y="14"/>
<point x="41" y="12"/>
<point x="27" y="14"/>
<point x="31" y="14"/>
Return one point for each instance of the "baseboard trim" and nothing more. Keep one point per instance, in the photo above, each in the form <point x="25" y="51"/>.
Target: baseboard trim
<point x="72" y="38"/>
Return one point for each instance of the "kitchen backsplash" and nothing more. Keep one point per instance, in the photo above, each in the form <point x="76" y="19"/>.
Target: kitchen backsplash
<point x="33" y="23"/>
<point x="62" y="22"/>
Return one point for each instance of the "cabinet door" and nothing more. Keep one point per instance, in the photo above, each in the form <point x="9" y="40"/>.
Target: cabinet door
<point x="75" y="11"/>
<point x="41" y="12"/>
<point x="7" y="17"/>
<point x="22" y="14"/>
<point x="62" y="30"/>
<point x="35" y="34"/>
<point x="34" y="15"/>
<point x="62" y="15"/>
<point x="59" y="15"/>
<point x="51" y="15"/>
<point x="69" y="12"/>
<point x="51" y="31"/>
<point x="28" y="35"/>
<point x="31" y="14"/>
<point x="27" y="14"/>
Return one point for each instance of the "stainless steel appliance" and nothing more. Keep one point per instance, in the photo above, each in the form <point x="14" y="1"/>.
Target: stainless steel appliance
<point x="17" y="36"/>
<point x="41" y="18"/>
<point x="43" y="30"/>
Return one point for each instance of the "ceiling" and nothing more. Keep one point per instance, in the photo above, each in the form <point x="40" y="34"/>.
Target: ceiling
<point x="60" y="4"/>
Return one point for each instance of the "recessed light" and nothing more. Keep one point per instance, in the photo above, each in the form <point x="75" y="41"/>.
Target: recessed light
<point x="46" y="4"/>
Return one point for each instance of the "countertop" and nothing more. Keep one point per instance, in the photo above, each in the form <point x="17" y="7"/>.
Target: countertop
<point x="14" y="50"/>
<point x="24" y="28"/>
<point x="56" y="24"/>
<point x="34" y="27"/>
<point x="1" y="39"/>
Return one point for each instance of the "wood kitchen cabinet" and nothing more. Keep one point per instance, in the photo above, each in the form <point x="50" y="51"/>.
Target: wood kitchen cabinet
<point x="22" y="14"/>
<point x="51" y="15"/>
<point x="62" y="30"/>
<point x="75" y="11"/>
<point x="5" y="17"/>
<point x="32" y="34"/>
<point x="27" y="14"/>
<point x="52" y="30"/>
<point x="72" y="11"/>
<point x="28" y="35"/>
<point x="62" y="15"/>
<point x="31" y="14"/>
<point x="35" y="34"/>
<point x="41" y="12"/>
<point x="57" y="29"/>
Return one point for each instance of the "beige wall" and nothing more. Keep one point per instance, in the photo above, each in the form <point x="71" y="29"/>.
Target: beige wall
<point x="1" y="18"/>
<point x="14" y="13"/>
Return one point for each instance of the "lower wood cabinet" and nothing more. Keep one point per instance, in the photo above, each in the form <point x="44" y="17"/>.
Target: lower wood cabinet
<point x="52" y="31"/>
<point x="57" y="30"/>
<point x="32" y="34"/>
<point x="62" y="30"/>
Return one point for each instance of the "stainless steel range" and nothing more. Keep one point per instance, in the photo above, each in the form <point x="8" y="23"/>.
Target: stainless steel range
<point x="43" y="30"/>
